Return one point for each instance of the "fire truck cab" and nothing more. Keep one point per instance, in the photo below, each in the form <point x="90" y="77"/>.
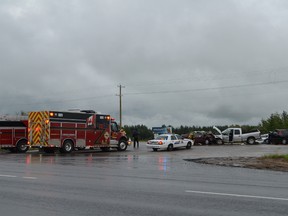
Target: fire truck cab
<point x="13" y="136"/>
<point x="68" y="131"/>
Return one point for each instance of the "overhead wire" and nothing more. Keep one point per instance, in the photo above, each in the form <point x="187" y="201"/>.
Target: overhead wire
<point x="169" y="81"/>
<point x="206" y="89"/>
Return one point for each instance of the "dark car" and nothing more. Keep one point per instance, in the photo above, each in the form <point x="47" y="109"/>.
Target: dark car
<point x="203" y="137"/>
<point x="279" y="136"/>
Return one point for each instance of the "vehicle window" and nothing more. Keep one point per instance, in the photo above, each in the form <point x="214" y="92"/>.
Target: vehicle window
<point x="162" y="138"/>
<point x="179" y="137"/>
<point x="237" y="132"/>
<point x="114" y="127"/>
<point x="226" y="132"/>
<point x="173" y="138"/>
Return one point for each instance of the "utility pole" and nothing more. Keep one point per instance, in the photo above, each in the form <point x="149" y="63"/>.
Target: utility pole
<point x="120" y="103"/>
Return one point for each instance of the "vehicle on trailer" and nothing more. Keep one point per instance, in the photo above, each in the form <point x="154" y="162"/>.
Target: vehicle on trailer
<point x="13" y="136"/>
<point x="278" y="136"/>
<point x="236" y="135"/>
<point x="68" y="131"/>
<point x="169" y="142"/>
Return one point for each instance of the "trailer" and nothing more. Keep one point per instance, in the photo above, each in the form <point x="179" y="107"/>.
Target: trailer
<point x="69" y="131"/>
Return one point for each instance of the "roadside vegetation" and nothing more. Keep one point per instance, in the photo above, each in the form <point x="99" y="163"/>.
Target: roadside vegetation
<point x="275" y="121"/>
<point x="284" y="157"/>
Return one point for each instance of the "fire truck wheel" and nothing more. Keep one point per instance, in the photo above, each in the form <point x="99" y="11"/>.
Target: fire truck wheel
<point x="122" y="146"/>
<point x="68" y="146"/>
<point x="22" y="146"/>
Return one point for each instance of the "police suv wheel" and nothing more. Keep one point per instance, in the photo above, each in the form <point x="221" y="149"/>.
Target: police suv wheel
<point x="188" y="146"/>
<point x="170" y="147"/>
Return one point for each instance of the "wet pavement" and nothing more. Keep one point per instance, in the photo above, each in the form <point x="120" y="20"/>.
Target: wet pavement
<point x="140" y="182"/>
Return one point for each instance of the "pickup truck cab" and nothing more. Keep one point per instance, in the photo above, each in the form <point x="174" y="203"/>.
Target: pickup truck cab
<point x="235" y="135"/>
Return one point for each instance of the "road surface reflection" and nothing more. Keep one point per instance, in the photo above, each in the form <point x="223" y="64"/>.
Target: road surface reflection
<point x="130" y="160"/>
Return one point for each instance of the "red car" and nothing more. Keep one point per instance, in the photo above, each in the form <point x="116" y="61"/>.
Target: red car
<point x="203" y="137"/>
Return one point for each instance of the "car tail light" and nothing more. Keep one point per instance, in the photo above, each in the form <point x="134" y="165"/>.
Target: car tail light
<point x="160" y="143"/>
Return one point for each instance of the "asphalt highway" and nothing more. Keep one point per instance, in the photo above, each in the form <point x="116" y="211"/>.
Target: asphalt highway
<point x="140" y="182"/>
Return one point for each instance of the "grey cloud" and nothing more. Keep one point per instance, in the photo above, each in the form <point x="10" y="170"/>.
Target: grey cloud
<point x="178" y="60"/>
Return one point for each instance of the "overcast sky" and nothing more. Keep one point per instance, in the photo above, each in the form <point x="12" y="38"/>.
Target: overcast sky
<point x="182" y="62"/>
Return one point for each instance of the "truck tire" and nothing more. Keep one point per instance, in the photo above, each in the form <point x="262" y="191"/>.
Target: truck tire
<point x="22" y="146"/>
<point x="67" y="147"/>
<point x="250" y="140"/>
<point x="122" y="145"/>
<point x="170" y="147"/>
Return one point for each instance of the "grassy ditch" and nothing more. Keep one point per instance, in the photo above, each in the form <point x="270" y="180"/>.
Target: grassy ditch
<point x="274" y="162"/>
<point x="276" y="157"/>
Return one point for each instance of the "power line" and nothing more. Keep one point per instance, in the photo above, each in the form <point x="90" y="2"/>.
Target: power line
<point x="206" y="89"/>
<point x="152" y="92"/>
<point x="207" y="77"/>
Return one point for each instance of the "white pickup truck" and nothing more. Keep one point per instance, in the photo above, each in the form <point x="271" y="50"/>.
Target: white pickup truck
<point x="233" y="135"/>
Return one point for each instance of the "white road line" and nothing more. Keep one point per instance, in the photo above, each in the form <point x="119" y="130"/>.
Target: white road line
<point x="8" y="176"/>
<point x="12" y="176"/>
<point x="28" y="177"/>
<point x="237" y="195"/>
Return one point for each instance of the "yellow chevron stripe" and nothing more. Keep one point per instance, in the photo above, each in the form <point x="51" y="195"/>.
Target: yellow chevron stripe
<point x="39" y="129"/>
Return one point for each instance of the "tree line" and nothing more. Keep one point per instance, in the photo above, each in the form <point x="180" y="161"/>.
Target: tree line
<point x="274" y="121"/>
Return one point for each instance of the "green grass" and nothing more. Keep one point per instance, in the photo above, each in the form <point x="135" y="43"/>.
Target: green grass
<point x="276" y="156"/>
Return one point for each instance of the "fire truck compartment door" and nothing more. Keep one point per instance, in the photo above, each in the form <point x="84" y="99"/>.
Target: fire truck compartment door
<point x="6" y="136"/>
<point x="99" y="133"/>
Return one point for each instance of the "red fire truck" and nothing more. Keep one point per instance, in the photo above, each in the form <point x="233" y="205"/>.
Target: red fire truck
<point x="68" y="131"/>
<point x="13" y="135"/>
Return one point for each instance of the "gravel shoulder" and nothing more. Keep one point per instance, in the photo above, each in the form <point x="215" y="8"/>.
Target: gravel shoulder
<point x="246" y="162"/>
